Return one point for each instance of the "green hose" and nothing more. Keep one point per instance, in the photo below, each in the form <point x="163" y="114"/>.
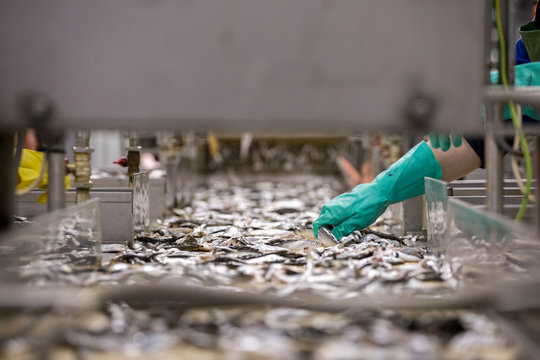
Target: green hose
<point x="517" y="124"/>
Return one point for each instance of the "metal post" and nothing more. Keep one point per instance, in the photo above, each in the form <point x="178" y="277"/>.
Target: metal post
<point x="494" y="161"/>
<point x="134" y="156"/>
<point x="413" y="216"/>
<point x="537" y="174"/>
<point x="82" y="168"/>
<point x="172" y="163"/>
<point x="488" y="41"/>
<point x="56" y="171"/>
<point x="508" y="15"/>
<point x="7" y="181"/>
<point x="413" y="209"/>
<point x="169" y="154"/>
<point x="357" y="151"/>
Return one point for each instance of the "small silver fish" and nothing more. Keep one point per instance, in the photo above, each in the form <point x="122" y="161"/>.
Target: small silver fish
<point x="325" y="237"/>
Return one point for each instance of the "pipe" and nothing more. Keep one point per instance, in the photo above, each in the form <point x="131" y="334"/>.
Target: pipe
<point x="56" y="182"/>
<point x="21" y="134"/>
<point x="494" y="163"/>
<point x="82" y="167"/>
<point x="522" y="95"/>
<point x="55" y="152"/>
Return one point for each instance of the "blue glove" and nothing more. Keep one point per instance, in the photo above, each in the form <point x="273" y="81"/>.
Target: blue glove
<point x="443" y="141"/>
<point x="366" y="202"/>
<point x="526" y="75"/>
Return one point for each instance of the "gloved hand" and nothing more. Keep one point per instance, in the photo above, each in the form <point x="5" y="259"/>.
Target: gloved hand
<point x="526" y="75"/>
<point x="28" y="172"/>
<point x="366" y="202"/>
<point x="442" y="141"/>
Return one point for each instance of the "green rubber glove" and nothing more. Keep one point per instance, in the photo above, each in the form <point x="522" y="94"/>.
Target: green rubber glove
<point x="527" y="74"/>
<point x="366" y="202"/>
<point x="443" y="140"/>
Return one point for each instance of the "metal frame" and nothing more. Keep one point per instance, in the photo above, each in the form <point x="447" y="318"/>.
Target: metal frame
<point x="495" y="97"/>
<point x="494" y="163"/>
<point x="282" y="65"/>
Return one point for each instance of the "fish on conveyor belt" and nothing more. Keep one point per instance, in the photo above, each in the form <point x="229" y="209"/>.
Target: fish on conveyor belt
<point x="326" y="237"/>
<point x="161" y="330"/>
<point x="258" y="235"/>
<point x="255" y="237"/>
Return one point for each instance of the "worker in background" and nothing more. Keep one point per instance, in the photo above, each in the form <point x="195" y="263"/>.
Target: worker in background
<point x="32" y="170"/>
<point x="444" y="157"/>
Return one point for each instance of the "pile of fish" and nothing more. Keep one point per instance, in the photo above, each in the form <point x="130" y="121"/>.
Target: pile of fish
<point x="259" y="155"/>
<point x="161" y="331"/>
<point x="256" y="235"/>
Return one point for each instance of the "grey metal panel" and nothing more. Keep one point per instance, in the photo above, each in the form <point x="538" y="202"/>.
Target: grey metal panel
<point x="115" y="209"/>
<point x="156" y="189"/>
<point x="511" y="210"/>
<point x="478" y="188"/>
<point x="481" y="183"/>
<point x="481" y="199"/>
<point x="481" y="191"/>
<point x="474" y="192"/>
<point x="279" y="65"/>
<point x="413" y="215"/>
<point x="157" y="198"/>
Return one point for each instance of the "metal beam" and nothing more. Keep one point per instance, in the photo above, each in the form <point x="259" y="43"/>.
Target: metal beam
<point x="494" y="163"/>
<point x="304" y="66"/>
